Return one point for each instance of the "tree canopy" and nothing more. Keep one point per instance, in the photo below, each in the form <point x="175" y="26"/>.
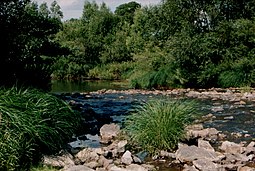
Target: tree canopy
<point x="26" y="32"/>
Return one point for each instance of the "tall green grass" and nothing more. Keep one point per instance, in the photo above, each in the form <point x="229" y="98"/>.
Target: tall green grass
<point x="160" y="124"/>
<point x="33" y="123"/>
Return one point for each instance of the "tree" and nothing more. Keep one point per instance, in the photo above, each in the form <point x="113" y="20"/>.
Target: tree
<point x="25" y="33"/>
<point x="98" y="22"/>
<point x="126" y="11"/>
<point x="44" y="10"/>
<point x="56" y="10"/>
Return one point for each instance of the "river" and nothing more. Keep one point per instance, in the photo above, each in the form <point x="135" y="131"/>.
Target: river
<point x="100" y="108"/>
<point x="112" y="107"/>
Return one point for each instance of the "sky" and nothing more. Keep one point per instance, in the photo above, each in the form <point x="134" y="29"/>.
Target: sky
<point x="73" y="8"/>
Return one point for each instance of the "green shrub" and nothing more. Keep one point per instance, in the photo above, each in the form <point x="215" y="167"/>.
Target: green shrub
<point x="111" y="71"/>
<point x="159" y="124"/>
<point x="32" y="123"/>
<point x="240" y="74"/>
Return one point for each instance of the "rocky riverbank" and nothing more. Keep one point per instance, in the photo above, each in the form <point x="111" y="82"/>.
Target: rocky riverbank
<point x="207" y="152"/>
<point x="205" y="148"/>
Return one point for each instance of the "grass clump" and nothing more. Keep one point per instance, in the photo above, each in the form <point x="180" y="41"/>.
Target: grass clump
<point x="33" y="123"/>
<point x="160" y="124"/>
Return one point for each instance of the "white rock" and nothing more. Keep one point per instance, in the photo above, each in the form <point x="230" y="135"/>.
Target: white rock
<point x="127" y="158"/>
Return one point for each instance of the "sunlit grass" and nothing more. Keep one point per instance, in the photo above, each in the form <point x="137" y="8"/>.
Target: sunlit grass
<point x="160" y="124"/>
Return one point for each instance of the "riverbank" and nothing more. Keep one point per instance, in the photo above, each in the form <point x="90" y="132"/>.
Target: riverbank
<point x="231" y="94"/>
<point x="199" y="153"/>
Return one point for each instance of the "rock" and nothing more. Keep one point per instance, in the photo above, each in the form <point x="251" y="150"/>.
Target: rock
<point x="228" y="118"/>
<point x="104" y="162"/>
<point x="167" y="154"/>
<point x="101" y="169"/>
<point x="191" y="153"/>
<point x="250" y="148"/>
<point x="92" y="164"/>
<point x="137" y="159"/>
<point x="231" y="147"/>
<point x="121" y="146"/>
<point x="116" y="168"/>
<point x="136" y="167"/>
<point x="127" y="158"/>
<point x="189" y="168"/>
<point x="148" y="167"/>
<point x="78" y="168"/>
<point x="229" y="167"/>
<point x="220" y="156"/>
<point x="236" y="158"/>
<point x="87" y="155"/>
<point x="180" y="145"/>
<point x="242" y="102"/>
<point x="217" y="108"/>
<point x="252" y="144"/>
<point x="245" y="168"/>
<point x="208" y="116"/>
<point x="195" y="127"/>
<point x="236" y="134"/>
<point x="208" y="133"/>
<point x="99" y="151"/>
<point x="205" y="144"/>
<point x="108" y="132"/>
<point x="251" y="157"/>
<point x="205" y="165"/>
<point x="59" y="161"/>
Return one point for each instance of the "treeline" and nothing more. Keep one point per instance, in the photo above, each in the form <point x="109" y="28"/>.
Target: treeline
<point x="173" y="44"/>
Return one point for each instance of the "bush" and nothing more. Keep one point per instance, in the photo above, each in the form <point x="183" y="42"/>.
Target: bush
<point x="159" y="124"/>
<point x="111" y="71"/>
<point x="33" y="123"/>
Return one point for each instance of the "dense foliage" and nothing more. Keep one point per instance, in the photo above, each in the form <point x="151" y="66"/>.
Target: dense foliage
<point x="26" y="42"/>
<point x="172" y="44"/>
<point x="33" y="123"/>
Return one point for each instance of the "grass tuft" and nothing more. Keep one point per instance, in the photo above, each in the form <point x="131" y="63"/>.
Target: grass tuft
<point x="160" y="124"/>
<point x="33" y="123"/>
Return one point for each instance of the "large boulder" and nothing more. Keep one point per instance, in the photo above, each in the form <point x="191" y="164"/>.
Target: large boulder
<point x="205" y="164"/>
<point x="108" y="132"/>
<point x="87" y="155"/>
<point x="127" y="158"/>
<point x="231" y="147"/>
<point x="59" y="161"/>
<point x="191" y="153"/>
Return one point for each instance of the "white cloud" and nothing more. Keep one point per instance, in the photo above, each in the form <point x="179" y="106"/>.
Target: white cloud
<point x="73" y="8"/>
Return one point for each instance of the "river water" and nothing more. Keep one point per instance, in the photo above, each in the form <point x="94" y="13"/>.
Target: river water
<point x="113" y="107"/>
